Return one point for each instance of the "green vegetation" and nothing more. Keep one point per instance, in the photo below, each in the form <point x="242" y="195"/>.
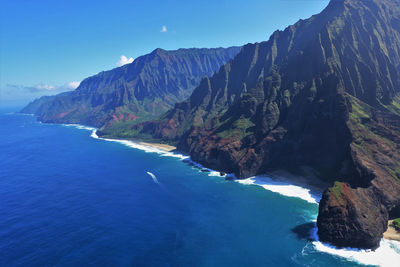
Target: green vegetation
<point x="139" y="91"/>
<point x="337" y="191"/>
<point x="239" y="129"/>
<point x="363" y="134"/>
<point x="395" y="105"/>
<point x="360" y="110"/>
<point x="396" y="224"/>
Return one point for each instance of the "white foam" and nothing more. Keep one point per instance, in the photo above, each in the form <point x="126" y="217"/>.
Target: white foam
<point x="387" y="255"/>
<point x="201" y="168"/>
<point x="163" y="153"/>
<point x="215" y="173"/>
<point x="148" y="149"/>
<point x="81" y="127"/>
<point x="153" y="177"/>
<point x="282" y="187"/>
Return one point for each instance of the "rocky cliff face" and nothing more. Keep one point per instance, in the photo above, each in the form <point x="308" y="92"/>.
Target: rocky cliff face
<point x="322" y="93"/>
<point x="135" y="92"/>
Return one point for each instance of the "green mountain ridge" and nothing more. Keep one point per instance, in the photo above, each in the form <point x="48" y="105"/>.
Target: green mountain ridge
<point x="322" y="93"/>
<point x="138" y="91"/>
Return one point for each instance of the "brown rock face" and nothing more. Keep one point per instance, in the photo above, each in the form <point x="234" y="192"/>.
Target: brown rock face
<point x="357" y="215"/>
<point x="351" y="217"/>
<point x="324" y="93"/>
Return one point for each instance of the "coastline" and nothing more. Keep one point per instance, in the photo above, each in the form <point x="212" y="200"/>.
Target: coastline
<point x="286" y="184"/>
<point x="391" y="233"/>
<point x="280" y="182"/>
<point x="283" y="183"/>
<point x="164" y="147"/>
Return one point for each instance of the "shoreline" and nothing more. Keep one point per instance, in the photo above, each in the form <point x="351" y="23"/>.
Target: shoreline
<point x="165" y="147"/>
<point x="161" y="149"/>
<point x="391" y="233"/>
<point x="306" y="188"/>
<point x="285" y="184"/>
<point x="159" y="146"/>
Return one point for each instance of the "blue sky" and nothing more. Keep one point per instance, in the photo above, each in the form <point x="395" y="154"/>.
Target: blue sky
<point x="48" y="43"/>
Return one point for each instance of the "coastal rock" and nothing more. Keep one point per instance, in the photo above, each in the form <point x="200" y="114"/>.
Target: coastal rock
<point x="358" y="215"/>
<point x="351" y="217"/>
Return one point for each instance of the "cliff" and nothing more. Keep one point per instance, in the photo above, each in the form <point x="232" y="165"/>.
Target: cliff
<point x="324" y="93"/>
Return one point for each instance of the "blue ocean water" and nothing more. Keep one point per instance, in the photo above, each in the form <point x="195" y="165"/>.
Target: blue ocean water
<point x="67" y="199"/>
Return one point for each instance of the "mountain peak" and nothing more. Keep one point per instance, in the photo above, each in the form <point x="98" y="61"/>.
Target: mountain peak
<point x="158" y="51"/>
<point x="322" y="93"/>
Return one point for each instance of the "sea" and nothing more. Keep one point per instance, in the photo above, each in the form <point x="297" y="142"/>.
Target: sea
<point x="69" y="198"/>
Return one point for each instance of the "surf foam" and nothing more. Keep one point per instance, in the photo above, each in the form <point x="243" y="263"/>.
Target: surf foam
<point x="387" y="255"/>
<point x="284" y="188"/>
<point x="144" y="148"/>
<point x="81" y="127"/>
<point x="281" y="187"/>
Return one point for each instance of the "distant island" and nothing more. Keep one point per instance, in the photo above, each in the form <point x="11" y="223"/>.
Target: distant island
<point x="324" y="94"/>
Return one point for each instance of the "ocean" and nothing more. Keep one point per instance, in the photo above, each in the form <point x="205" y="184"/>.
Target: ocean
<point x="68" y="198"/>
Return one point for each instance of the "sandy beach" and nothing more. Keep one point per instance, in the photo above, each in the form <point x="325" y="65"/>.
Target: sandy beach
<point x="159" y="146"/>
<point x="391" y="233"/>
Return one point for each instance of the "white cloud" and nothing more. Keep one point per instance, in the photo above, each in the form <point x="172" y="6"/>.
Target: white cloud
<point x="124" y="60"/>
<point x="44" y="87"/>
<point x="164" y="29"/>
<point x="73" y="84"/>
<point x="12" y="94"/>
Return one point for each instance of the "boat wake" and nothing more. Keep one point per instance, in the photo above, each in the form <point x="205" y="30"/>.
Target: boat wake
<point x="153" y="177"/>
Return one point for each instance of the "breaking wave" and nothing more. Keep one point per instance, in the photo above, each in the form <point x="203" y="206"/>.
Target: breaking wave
<point x="142" y="147"/>
<point x="284" y="188"/>
<point x="386" y="255"/>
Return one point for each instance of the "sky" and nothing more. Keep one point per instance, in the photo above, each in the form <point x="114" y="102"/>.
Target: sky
<point x="47" y="46"/>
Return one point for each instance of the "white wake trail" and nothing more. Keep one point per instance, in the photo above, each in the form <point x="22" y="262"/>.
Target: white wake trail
<point x="153" y="177"/>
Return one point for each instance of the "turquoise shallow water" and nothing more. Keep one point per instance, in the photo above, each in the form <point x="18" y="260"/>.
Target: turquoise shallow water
<point x="67" y="199"/>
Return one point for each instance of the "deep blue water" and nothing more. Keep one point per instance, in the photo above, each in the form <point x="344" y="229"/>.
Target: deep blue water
<point x="67" y="199"/>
